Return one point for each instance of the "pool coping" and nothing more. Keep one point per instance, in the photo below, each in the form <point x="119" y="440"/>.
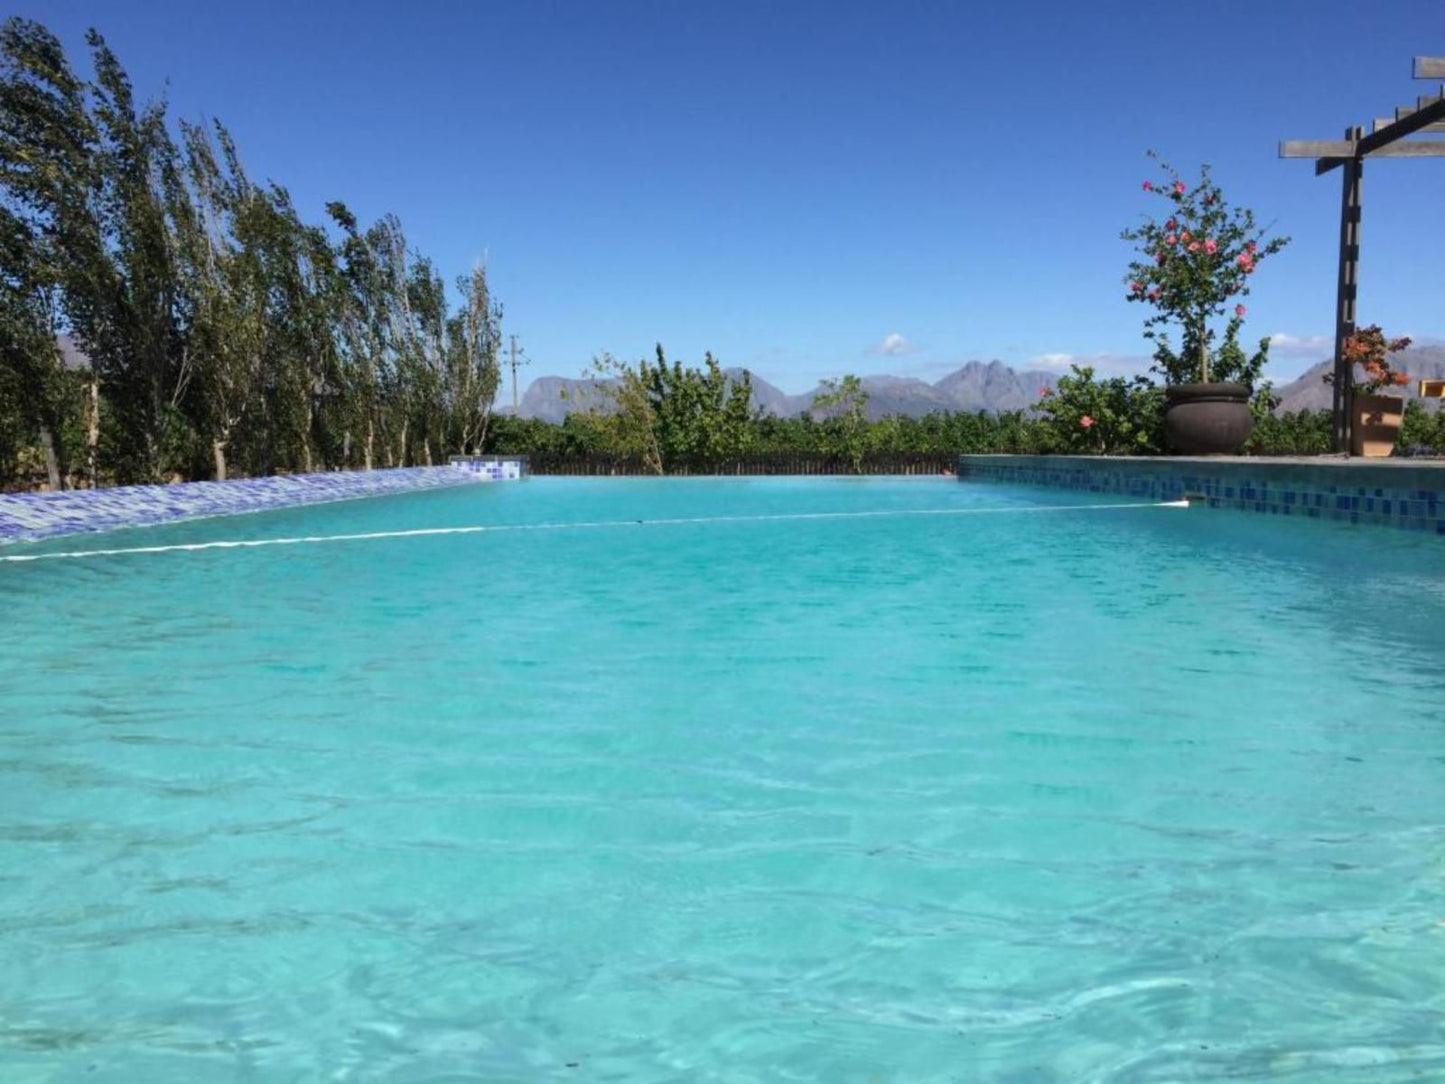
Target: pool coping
<point x="33" y="517"/>
<point x="1400" y="493"/>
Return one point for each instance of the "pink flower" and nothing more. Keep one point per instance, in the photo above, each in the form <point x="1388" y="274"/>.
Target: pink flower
<point x="1210" y="246"/>
<point x="1245" y="261"/>
<point x="1045" y="392"/>
<point x="1239" y="310"/>
<point x="1154" y="295"/>
<point x="1179" y="188"/>
<point x="1184" y="236"/>
<point x="1171" y="225"/>
<point x="1086" y="421"/>
<point x="1249" y="248"/>
<point x="1170" y="239"/>
<point x="1148" y="186"/>
<point x="1193" y="246"/>
<point x="1137" y="287"/>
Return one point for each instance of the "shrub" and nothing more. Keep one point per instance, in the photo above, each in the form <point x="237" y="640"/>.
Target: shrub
<point x="1117" y="416"/>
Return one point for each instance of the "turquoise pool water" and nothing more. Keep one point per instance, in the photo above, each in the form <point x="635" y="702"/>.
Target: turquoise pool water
<point x="1021" y="796"/>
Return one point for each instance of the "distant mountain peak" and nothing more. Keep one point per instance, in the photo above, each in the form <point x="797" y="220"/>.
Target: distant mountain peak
<point x="989" y="386"/>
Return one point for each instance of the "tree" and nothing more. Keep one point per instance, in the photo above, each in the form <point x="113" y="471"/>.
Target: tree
<point x="217" y="216"/>
<point x="703" y="416"/>
<point x="842" y="403"/>
<point x="225" y="333"/>
<point x="123" y="302"/>
<point x="1189" y="268"/>
<point x="622" y="410"/>
<point x="45" y="161"/>
<point x="474" y="339"/>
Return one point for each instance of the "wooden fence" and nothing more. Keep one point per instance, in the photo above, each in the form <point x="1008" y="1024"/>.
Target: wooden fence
<point x="761" y="463"/>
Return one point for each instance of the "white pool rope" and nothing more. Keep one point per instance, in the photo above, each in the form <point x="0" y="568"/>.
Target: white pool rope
<point x="426" y="532"/>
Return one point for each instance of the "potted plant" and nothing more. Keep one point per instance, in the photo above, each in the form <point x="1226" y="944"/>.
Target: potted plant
<point x="1193" y="263"/>
<point x="1375" y="419"/>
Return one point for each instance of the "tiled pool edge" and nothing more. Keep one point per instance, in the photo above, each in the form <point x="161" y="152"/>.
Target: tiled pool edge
<point x="1387" y="493"/>
<point x="29" y="517"/>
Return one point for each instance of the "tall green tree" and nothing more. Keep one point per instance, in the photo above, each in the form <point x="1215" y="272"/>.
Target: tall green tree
<point x="474" y="338"/>
<point x="46" y="160"/>
<point x="124" y="303"/>
<point x="843" y="404"/>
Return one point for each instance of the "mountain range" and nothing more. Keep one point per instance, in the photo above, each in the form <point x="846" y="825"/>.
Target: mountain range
<point x="1310" y="392"/>
<point x="988" y="386"/>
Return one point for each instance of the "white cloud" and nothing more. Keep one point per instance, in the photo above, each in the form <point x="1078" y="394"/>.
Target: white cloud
<point x="1286" y="343"/>
<point x="1059" y="362"/>
<point x="894" y="345"/>
<point x="1102" y="364"/>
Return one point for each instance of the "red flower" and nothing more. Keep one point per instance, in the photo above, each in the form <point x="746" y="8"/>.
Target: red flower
<point x="1148" y="186"/>
<point x="1086" y="421"/>
<point x="1179" y="188"/>
<point x="1239" y="310"/>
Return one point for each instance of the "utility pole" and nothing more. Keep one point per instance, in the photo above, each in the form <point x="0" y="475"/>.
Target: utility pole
<point x="517" y="358"/>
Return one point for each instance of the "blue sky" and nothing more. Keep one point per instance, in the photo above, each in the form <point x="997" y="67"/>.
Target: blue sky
<point x="815" y="188"/>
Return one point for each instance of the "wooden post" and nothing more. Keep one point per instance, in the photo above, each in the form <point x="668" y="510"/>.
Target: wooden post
<point x="1346" y="290"/>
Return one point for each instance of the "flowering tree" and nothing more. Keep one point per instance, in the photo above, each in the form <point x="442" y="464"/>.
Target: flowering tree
<point x="1369" y="349"/>
<point x="1193" y="262"/>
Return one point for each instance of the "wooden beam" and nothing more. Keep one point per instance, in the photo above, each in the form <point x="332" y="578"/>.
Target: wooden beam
<point x="1346" y="290"/>
<point x="1403" y="111"/>
<point x="1339" y="148"/>
<point x="1414" y="122"/>
<point x="1385" y="122"/>
<point x="1430" y="67"/>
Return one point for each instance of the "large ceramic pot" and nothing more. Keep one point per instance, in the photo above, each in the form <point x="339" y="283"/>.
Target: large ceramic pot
<point x="1375" y="424"/>
<point x="1207" y="419"/>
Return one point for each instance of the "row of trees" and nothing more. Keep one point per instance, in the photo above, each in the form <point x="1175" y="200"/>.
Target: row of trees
<point x="217" y="332"/>
<point x="660" y="417"/>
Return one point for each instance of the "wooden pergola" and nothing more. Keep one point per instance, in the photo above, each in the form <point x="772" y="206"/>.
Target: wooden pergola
<point x="1386" y="140"/>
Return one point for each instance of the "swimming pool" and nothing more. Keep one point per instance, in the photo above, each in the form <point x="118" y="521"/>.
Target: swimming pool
<point x="1024" y="791"/>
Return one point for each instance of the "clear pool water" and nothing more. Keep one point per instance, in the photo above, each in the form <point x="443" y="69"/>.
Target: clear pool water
<point x="1108" y="795"/>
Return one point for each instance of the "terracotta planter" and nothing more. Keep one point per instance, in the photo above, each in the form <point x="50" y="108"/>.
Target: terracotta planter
<point x="1207" y="419"/>
<point x="1375" y="424"/>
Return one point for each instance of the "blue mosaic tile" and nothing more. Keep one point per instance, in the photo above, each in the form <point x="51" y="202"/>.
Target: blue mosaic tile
<point x="1263" y="486"/>
<point x="30" y="516"/>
